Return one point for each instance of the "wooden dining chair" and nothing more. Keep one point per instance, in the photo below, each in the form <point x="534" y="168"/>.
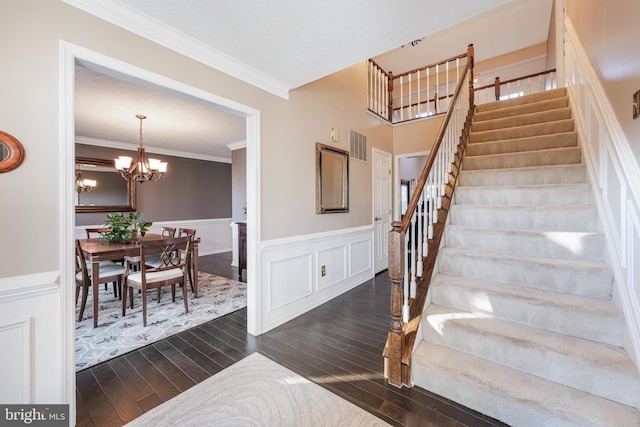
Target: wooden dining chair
<point x="191" y="232"/>
<point x="172" y="271"/>
<point x="107" y="273"/>
<point x="93" y="232"/>
<point x="96" y="233"/>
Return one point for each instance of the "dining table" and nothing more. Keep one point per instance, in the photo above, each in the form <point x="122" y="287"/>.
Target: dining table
<point x="96" y="250"/>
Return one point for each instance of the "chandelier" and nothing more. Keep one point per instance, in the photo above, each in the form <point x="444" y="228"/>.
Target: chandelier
<point x="142" y="169"/>
<point x="84" y="185"/>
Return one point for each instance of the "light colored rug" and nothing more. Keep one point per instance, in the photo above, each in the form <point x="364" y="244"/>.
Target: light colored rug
<point x="257" y="392"/>
<point x="116" y="335"/>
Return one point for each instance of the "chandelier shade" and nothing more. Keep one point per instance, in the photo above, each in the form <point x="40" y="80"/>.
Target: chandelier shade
<point x="142" y="168"/>
<point x="84" y="184"/>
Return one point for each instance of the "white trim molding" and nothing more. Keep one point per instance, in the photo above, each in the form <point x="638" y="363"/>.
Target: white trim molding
<point x="294" y="280"/>
<point x="615" y="178"/>
<point x="132" y="20"/>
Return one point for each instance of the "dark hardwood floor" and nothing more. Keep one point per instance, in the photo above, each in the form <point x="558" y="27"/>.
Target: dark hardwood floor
<point x="337" y="345"/>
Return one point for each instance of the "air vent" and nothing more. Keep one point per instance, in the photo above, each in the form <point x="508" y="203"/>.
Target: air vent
<point x="358" y="145"/>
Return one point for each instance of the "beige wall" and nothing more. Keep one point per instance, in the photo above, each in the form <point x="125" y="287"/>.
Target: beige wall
<point x="29" y="83"/>
<point x="609" y="34"/>
<point x="416" y="137"/>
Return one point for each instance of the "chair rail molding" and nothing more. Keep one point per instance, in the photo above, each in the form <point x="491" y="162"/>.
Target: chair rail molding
<point x="614" y="178"/>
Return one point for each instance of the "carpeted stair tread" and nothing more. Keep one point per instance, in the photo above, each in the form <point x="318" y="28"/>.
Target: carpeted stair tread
<point x="514" y="397"/>
<point x="553" y="195"/>
<point x="576" y="245"/>
<point x="516" y="110"/>
<point x="567" y="218"/>
<point x="597" y="368"/>
<point x="522" y="119"/>
<point x="589" y="279"/>
<point x="559" y="93"/>
<point x="522" y="131"/>
<point x="594" y="319"/>
<point x="553" y="156"/>
<point x="538" y="142"/>
<point x="529" y="175"/>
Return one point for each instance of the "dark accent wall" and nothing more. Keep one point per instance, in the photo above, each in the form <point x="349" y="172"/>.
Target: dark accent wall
<point x="192" y="189"/>
<point x="239" y="183"/>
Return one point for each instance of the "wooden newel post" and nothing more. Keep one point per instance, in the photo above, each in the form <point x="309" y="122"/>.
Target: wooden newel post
<point x="393" y="361"/>
<point x="497" y="88"/>
<point x="390" y="103"/>
<point x="470" y="56"/>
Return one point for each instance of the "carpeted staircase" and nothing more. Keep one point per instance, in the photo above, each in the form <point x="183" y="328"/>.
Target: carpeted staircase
<point x="521" y="325"/>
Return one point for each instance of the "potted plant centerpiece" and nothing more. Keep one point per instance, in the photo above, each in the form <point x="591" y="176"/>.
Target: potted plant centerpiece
<point x="124" y="228"/>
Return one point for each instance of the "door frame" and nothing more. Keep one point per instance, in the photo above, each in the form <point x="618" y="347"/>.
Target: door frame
<point x="68" y="54"/>
<point x="397" y="207"/>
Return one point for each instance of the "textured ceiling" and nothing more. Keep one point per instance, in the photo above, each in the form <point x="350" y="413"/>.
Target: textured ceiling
<point x="279" y="45"/>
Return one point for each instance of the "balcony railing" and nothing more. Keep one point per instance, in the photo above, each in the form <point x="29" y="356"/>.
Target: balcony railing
<point x="422" y="92"/>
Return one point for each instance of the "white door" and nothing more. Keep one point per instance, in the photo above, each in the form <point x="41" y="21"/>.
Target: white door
<point x="381" y="208"/>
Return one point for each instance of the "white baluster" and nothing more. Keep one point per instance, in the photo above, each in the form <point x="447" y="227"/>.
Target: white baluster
<point x="419" y="104"/>
<point x="410" y="96"/>
<point x="414" y="260"/>
<point x="437" y="94"/>
<point x="447" y="77"/>
<point x="420" y="233"/>
<point x="428" y="95"/>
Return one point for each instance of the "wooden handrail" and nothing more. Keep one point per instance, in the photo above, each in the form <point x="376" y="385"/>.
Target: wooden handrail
<point x="378" y="67"/>
<point x="402" y="335"/>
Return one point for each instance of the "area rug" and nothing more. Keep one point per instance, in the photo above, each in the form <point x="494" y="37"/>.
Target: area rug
<point x="116" y="335"/>
<point x="257" y="392"/>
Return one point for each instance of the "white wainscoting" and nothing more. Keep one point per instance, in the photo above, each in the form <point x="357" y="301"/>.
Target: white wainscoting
<point x="214" y="234"/>
<point x="30" y="331"/>
<point x="615" y="178"/>
<point x="292" y="282"/>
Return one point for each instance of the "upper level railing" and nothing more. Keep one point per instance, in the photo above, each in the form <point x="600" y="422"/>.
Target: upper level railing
<point x="414" y="94"/>
<point x="414" y="242"/>
<point x="532" y="83"/>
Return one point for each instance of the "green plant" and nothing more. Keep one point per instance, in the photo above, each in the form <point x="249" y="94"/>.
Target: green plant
<point x="124" y="227"/>
<point x="244" y="210"/>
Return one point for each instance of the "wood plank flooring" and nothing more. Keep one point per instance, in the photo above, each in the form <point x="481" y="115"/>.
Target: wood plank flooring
<point x="337" y="345"/>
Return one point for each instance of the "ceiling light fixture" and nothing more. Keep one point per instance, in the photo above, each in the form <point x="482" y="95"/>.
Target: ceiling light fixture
<point x="84" y="185"/>
<point x="143" y="169"/>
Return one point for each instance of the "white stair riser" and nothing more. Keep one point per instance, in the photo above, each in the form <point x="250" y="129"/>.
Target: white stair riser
<point x="567" y="277"/>
<point x="556" y="195"/>
<point x="611" y="375"/>
<point x="569" y="218"/>
<point x="563" y="174"/>
<point x="522" y="120"/>
<point x="604" y="327"/>
<point x="548" y="244"/>
<point x="545" y="142"/>
<point x="557" y="156"/>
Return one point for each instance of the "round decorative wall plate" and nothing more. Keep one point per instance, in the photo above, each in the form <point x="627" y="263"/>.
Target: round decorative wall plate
<point x="11" y="152"/>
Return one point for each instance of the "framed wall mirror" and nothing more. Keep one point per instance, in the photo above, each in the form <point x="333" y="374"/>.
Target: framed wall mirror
<point x="111" y="192"/>
<point x="332" y="179"/>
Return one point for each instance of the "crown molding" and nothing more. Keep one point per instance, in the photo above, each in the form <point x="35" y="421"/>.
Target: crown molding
<point x="133" y="20"/>
<point x="237" y="145"/>
<point x="133" y="147"/>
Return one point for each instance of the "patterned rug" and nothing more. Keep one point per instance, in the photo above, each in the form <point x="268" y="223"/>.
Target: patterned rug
<point x="116" y="335"/>
<point x="257" y="391"/>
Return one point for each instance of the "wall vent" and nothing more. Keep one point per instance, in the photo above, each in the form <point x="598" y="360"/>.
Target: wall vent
<point x="358" y="145"/>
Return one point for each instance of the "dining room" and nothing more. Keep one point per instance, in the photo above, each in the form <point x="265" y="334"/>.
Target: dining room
<point x="202" y="190"/>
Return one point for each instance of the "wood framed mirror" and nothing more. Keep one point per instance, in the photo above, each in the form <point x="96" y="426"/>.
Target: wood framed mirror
<point x="11" y="152"/>
<point x="112" y="193"/>
<point x="332" y="179"/>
